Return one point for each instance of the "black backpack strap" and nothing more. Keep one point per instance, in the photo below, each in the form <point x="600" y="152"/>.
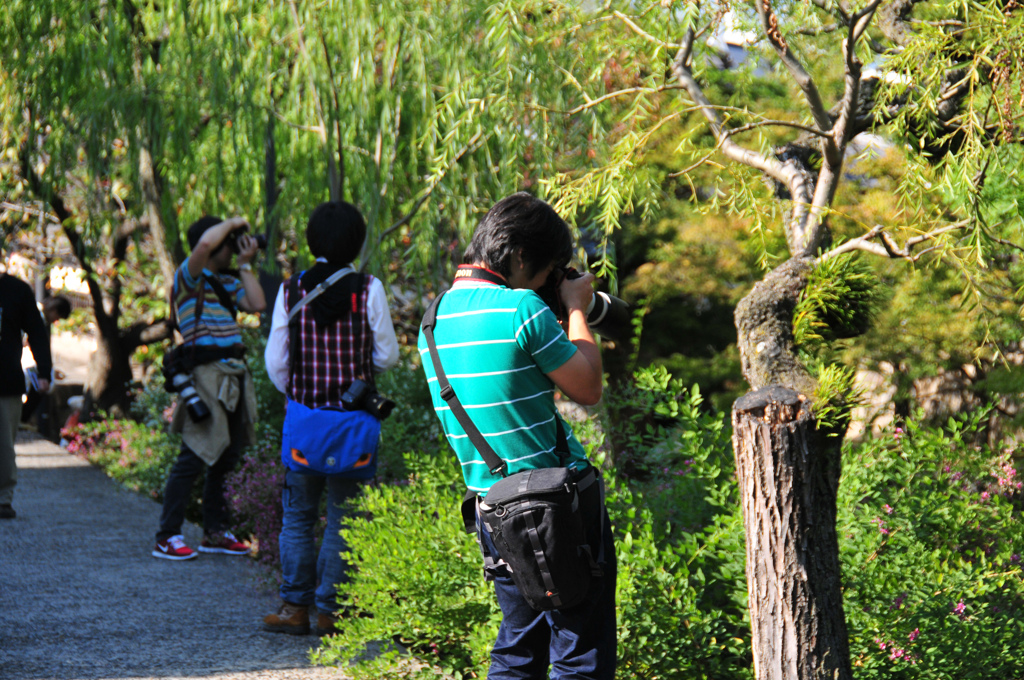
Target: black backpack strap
<point x="494" y="463"/>
<point x="222" y="295"/>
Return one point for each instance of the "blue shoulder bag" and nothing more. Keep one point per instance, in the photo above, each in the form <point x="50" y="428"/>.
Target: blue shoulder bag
<point x="327" y="440"/>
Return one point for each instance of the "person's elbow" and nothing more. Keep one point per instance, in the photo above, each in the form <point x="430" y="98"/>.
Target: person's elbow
<point x="587" y="395"/>
<point x="252" y="306"/>
<point x="578" y="380"/>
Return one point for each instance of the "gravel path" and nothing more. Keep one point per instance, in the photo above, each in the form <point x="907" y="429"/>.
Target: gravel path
<point x="81" y="597"/>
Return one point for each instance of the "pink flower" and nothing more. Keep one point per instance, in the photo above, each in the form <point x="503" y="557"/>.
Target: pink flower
<point x="913" y="634"/>
<point x="887" y="508"/>
<point x="959" y="608"/>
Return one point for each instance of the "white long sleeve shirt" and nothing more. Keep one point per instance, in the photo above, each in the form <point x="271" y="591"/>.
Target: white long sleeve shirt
<point x="385" y="344"/>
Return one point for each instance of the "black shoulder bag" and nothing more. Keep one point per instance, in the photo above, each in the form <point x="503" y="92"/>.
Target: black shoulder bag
<point x="533" y="516"/>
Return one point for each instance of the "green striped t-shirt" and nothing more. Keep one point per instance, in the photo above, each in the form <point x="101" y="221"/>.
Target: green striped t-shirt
<point x="496" y="345"/>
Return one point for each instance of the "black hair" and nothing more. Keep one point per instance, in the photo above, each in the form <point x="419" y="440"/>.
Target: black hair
<point x="336" y="232"/>
<point x="520" y="223"/>
<point x="197" y="228"/>
<point x="59" y="305"/>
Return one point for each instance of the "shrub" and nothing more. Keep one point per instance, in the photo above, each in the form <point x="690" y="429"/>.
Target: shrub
<point x="253" y="493"/>
<point x="931" y="543"/>
<point x="419" y="577"/>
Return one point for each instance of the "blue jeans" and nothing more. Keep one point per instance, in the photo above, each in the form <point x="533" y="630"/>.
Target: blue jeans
<point x="578" y="643"/>
<point x="308" y="579"/>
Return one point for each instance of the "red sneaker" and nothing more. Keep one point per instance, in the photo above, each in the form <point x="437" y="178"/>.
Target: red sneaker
<point x="224" y="543"/>
<point x="174" y="548"/>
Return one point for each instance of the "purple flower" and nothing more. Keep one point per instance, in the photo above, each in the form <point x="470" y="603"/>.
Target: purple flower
<point x="959" y="608"/>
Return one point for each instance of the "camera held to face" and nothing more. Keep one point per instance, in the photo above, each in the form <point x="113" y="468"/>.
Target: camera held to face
<point x="232" y="240"/>
<point x="607" y="315"/>
<point x="197" y="409"/>
<point x="361" y="396"/>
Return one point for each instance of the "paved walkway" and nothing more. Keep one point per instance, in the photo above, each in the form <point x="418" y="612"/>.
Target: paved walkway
<point x="81" y="597"/>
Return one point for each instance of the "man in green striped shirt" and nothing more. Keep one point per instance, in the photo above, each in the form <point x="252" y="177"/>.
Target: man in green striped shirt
<point x="505" y="353"/>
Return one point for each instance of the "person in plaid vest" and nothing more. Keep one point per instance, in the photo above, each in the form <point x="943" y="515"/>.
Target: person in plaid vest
<point x="345" y="334"/>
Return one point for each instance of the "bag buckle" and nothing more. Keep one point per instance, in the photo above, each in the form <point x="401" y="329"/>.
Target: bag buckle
<point x="447" y="393"/>
<point x="501" y="469"/>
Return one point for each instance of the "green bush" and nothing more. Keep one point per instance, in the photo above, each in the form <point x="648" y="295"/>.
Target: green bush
<point x="419" y="578"/>
<point x="931" y="542"/>
<point x="129" y="452"/>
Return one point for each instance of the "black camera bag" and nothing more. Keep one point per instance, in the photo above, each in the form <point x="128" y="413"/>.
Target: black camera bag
<point x="534" y="517"/>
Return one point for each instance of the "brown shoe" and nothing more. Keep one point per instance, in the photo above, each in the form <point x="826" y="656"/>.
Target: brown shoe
<point x="290" y="618"/>
<point x="326" y="623"/>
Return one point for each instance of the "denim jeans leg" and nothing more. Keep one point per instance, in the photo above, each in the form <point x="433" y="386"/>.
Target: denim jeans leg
<point x="583" y="638"/>
<point x="332" y="568"/>
<point x="178" y="491"/>
<point x="301" y="503"/>
<point x="521" y="648"/>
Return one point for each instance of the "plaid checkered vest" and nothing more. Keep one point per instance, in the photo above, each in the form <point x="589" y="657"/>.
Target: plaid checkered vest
<point x="328" y="358"/>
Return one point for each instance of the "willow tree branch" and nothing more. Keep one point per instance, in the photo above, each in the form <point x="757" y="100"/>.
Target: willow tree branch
<point x="644" y="34"/>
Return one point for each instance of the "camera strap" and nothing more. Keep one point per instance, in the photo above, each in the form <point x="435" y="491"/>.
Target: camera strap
<point x="222" y="295"/>
<point x="318" y="291"/>
<point x="494" y="462"/>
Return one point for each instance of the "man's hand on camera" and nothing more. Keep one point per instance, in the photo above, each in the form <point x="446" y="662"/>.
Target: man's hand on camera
<point x="247" y="247"/>
<point x="577" y="293"/>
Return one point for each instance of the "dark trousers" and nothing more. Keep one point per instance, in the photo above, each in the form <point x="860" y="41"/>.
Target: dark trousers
<point x="216" y="515"/>
<point x="578" y="643"/>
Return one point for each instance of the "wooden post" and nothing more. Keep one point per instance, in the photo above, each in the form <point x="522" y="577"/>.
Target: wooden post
<point x="789" y="475"/>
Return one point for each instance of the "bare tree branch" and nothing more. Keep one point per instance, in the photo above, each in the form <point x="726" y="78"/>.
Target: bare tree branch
<point x="788" y="173"/>
<point x="796" y="70"/>
<point x="644" y="34"/>
<point x="888" y="247"/>
<point x="591" y="103"/>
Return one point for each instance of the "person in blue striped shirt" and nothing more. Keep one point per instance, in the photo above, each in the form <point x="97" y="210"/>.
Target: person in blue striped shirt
<point x="505" y="354"/>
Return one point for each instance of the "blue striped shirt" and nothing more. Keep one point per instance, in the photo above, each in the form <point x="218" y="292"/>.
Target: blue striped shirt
<point x="496" y="346"/>
<point x="216" y="327"/>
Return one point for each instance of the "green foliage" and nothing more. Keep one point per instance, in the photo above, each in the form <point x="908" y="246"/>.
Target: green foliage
<point x="419" y="576"/>
<point x="931" y="538"/>
<point x="837" y="303"/>
<point x="835" y="395"/>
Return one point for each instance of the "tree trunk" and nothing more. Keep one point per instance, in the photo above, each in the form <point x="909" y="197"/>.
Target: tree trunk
<point x="110" y="370"/>
<point x="788" y="480"/>
<point x="110" y="373"/>
<point x="788" y="473"/>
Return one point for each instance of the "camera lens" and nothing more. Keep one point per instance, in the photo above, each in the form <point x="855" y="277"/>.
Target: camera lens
<point x="194" y="404"/>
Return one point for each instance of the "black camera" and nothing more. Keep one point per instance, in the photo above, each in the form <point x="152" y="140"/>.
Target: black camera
<point x="361" y="396"/>
<point x="197" y="409"/>
<point x="232" y="240"/>
<point x="607" y="315"/>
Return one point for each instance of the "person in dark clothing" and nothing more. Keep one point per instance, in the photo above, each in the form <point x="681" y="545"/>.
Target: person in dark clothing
<point x="18" y="314"/>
